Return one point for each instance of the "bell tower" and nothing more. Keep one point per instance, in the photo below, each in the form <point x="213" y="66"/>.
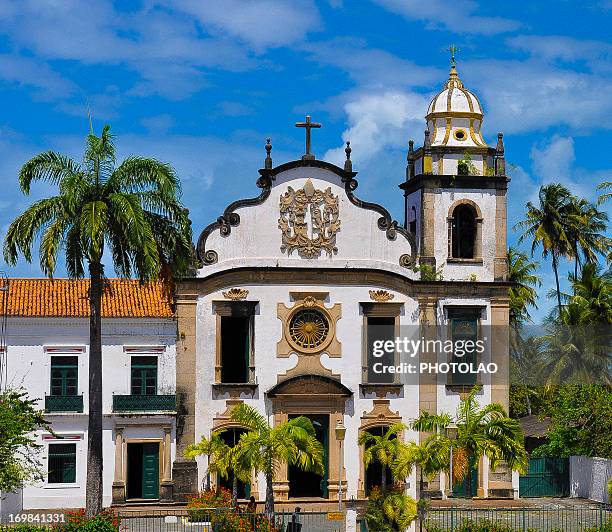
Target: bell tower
<point x="455" y="190"/>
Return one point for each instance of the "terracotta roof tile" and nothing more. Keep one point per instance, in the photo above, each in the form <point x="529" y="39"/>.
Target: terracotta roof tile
<point x="123" y="298"/>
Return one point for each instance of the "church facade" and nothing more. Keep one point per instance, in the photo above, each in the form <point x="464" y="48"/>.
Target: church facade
<point x="295" y="284"/>
<point x="293" y="288"/>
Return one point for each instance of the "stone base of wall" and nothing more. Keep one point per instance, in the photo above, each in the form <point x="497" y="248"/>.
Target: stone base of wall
<point x="185" y="477"/>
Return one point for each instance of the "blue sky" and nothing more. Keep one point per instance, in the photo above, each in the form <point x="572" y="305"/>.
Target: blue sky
<point x="201" y="84"/>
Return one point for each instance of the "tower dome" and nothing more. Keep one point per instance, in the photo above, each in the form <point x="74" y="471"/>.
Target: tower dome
<point x="454" y="116"/>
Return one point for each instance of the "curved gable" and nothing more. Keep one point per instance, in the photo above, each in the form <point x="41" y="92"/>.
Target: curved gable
<point x="307" y="214"/>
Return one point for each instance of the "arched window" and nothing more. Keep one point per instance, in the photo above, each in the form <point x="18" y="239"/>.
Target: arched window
<point x="464" y="229"/>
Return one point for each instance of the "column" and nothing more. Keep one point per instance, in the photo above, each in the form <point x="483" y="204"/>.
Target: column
<point x="281" y="479"/>
<point x="185" y="471"/>
<point x="428" y="383"/>
<point x="334" y="460"/>
<point x="118" y="489"/>
<point x="167" y="486"/>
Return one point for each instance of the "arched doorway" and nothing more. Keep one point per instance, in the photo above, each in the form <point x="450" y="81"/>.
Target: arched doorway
<point x="321" y="399"/>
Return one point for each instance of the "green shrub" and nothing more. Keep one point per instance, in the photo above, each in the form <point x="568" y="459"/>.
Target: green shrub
<point x="484" y="525"/>
<point x="606" y="527"/>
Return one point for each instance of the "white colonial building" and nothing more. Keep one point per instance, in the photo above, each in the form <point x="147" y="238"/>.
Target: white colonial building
<point x="47" y="353"/>
<point x="294" y="284"/>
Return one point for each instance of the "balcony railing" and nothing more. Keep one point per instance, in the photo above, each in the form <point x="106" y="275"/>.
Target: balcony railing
<point x="64" y="403"/>
<point x="144" y="403"/>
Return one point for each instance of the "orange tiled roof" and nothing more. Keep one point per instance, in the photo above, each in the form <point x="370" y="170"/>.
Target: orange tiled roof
<point x="124" y="298"/>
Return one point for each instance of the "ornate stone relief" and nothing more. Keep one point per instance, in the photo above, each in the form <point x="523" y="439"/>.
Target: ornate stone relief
<point x="236" y="294"/>
<point x="381" y="296"/>
<point x="309" y="221"/>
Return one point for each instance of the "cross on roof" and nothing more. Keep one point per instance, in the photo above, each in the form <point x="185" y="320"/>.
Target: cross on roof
<point x="308" y="125"/>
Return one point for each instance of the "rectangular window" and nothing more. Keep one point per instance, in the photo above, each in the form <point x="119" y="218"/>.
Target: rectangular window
<point x="235" y="348"/>
<point x="464" y="334"/>
<point x="144" y="375"/>
<point x="380" y="329"/>
<point x="62" y="463"/>
<point x="64" y="375"/>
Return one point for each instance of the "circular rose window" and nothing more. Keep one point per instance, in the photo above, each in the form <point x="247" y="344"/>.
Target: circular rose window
<point x="308" y="329"/>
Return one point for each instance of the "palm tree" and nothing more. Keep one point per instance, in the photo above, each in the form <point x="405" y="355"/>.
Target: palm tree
<point x="547" y="224"/>
<point x="383" y="448"/>
<point x="134" y="210"/>
<point x="266" y="448"/>
<point x="606" y="195"/>
<point x="521" y="273"/>
<point x="586" y="228"/>
<point x="222" y="459"/>
<point x="593" y="290"/>
<point x="486" y="431"/>
<point x="213" y="448"/>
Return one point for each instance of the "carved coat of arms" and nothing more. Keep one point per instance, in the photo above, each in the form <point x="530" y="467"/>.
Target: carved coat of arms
<point x="309" y="221"/>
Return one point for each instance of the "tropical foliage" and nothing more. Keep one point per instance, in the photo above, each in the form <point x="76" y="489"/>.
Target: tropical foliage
<point x="223" y="460"/>
<point x="265" y="449"/>
<point x="523" y="293"/>
<point x="481" y="431"/>
<point x="383" y="448"/>
<point x="581" y="422"/>
<point x="390" y="510"/>
<point x="19" y="452"/>
<point x="131" y="211"/>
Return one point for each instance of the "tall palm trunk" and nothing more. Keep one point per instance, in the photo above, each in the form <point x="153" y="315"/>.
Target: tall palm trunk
<point x="93" y="501"/>
<point x="555" y="269"/>
<point x="269" y="496"/>
<point x="234" y="490"/>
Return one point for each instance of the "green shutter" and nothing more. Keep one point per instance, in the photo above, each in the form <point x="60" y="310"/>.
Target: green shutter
<point x="62" y="463"/>
<point x="144" y="375"/>
<point x="464" y="329"/>
<point x="64" y="376"/>
<point x="150" y="470"/>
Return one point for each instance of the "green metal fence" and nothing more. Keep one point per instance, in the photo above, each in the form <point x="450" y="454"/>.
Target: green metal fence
<point x="144" y="403"/>
<point x="220" y="520"/>
<point x="527" y="519"/>
<point x="64" y="403"/>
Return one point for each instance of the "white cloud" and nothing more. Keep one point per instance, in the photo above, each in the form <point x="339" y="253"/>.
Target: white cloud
<point x="458" y="16"/>
<point x="371" y="67"/>
<point x="25" y="71"/>
<point x="521" y="96"/>
<point x="553" y="160"/>
<point x="597" y="54"/>
<point x="261" y="24"/>
<point x="379" y="121"/>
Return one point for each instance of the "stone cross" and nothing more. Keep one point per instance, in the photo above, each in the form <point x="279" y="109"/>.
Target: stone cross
<point x="308" y="125"/>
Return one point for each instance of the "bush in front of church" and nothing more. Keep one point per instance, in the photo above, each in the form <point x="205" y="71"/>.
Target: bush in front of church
<point x="390" y="510"/>
<point x="215" y="507"/>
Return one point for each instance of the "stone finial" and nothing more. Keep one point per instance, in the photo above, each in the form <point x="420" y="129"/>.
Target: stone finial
<point x="268" y="161"/>
<point x="427" y="143"/>
<point x="410" y="160"/>
<point x="500" y="160"/>
<point x="500" y="143"/>
<point x="348" y="164"/>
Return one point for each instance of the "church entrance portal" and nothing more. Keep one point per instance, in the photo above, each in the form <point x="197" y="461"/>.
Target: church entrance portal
<point x="305" y="484"/>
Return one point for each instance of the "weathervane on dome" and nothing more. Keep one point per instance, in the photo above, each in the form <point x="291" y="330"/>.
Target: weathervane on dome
<point x="453" y="50"/>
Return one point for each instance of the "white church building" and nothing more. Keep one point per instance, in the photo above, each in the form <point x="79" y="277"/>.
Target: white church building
<point x="291" y="287"/>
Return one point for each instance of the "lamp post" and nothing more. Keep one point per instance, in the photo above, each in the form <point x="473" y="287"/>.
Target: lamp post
<point x="451" y="434"/>
<point x="340" y="433"/>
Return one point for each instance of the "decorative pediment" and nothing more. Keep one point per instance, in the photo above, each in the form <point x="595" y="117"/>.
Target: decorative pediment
<point x="311" y="386"/>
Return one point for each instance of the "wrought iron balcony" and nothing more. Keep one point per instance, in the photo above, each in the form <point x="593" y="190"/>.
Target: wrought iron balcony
<point x="144" y="403"/>
<point x="64" y="403"/>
